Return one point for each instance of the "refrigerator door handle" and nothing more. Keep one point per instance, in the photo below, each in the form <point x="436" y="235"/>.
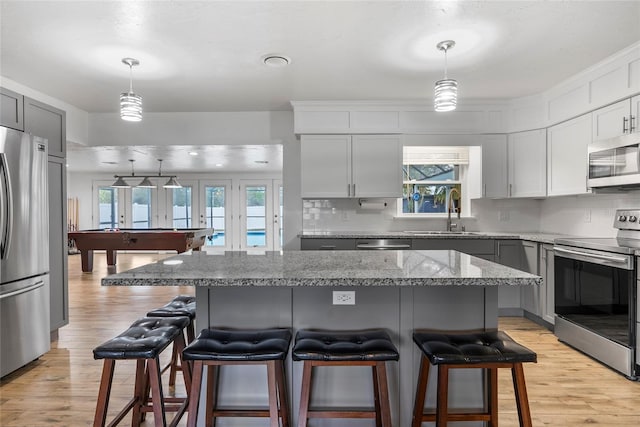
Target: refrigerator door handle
<point x="36" y="285"/>
<point x="6" y="202"/>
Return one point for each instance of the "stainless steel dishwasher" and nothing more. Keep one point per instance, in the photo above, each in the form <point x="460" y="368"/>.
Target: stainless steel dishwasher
<point x="383" y="244"/>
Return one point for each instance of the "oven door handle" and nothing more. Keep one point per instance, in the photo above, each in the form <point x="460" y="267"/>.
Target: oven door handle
<point x="586" y="255"/>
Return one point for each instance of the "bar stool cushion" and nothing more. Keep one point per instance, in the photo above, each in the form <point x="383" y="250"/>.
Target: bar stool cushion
<point x="473" y="347"/>
<point x="144" y="339"/>
<point x="182" y="305"/>
<point x="366" y="345"/>
<point x="239" y="345"/>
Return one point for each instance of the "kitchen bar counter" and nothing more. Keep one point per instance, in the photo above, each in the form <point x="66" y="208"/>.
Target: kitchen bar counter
<point x="341" y="290"/>
<point x="324" y="268"/>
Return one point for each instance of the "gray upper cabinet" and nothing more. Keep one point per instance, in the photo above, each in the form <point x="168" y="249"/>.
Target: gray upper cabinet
<point x="48" y="122"/>
<point x="11" y="109"/>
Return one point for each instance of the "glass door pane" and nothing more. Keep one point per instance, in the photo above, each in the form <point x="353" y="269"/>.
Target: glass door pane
<point x="181" y="207"/>
<point x="107" y="207"/>
<point x="215" y="214"/>
<point x="255" y="216"/>
<point x="141" y="207"/>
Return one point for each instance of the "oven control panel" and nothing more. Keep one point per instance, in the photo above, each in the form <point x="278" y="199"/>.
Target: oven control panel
<point x="627" y="219"/>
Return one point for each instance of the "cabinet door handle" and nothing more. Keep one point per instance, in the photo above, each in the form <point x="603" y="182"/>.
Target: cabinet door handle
<point x="510" y="190"/>
<point x="348" y="190"/>
<point x="631" y="126"/>
<point x="624" y="124"/>
<point x="484" y="190"/>
<point x="354" y="190"/>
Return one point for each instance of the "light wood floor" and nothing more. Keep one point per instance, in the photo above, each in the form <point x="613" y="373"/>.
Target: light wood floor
<point x="565" y="387"/>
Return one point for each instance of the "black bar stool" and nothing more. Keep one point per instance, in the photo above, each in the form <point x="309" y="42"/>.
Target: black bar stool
<point x="182" y="305"/>
<point x="143" y="341"/>
<point x="345" y="348"/>
<point x="488" y="350"/>
<point x="220" y="347"/>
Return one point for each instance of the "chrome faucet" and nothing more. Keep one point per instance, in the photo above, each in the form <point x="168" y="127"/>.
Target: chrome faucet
<point x="452" y="206"/>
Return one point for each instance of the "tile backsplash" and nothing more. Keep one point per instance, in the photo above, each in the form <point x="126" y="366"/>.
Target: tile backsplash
<point x="585" y="215"/>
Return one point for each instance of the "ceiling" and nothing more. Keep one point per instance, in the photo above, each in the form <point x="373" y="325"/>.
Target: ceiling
<point x="208" y="55"/>
<point x="175" y="159"/>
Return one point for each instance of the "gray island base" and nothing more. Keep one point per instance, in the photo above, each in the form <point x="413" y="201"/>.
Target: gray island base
<point x="396" y="290"/>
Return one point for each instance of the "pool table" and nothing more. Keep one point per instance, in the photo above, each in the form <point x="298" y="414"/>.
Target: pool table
<point x="180" y="240"/>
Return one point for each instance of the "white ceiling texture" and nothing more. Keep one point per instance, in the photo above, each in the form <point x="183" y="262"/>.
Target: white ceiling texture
<point x="208" y="55"/>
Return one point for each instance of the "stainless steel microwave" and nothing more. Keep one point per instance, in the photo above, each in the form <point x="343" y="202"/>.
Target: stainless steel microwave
<point x="615" y="162"/>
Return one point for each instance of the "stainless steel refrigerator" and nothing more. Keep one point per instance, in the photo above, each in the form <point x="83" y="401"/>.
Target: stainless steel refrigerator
<point x="24" y="249"/>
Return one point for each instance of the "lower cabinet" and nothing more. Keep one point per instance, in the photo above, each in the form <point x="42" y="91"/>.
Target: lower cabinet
<point x="511" y="254"/>
<point x="482" y="248"/>
<point x="547" y="296"/>
<point x="327" y="244"/>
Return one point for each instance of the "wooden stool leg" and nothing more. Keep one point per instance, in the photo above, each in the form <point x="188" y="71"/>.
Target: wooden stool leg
<point x="191" y="335"/>
<point x="492" y="397"/>
<point x="103" y="394"/>
<point x="376" y="396"/>
<point x="421" y="392"/>
<point x="305" y="394"/>
<point x="194" y="394"/>
<point x="140" y="393"/>
<point x="282" y="393"/>
<point x="385" y="408"/>
<point x="156" y="392"/>
<point x="273" y="393"/>
<point x="173" y="366"/>
<point x="442" y="405"/>
<point x="520" y="389"/>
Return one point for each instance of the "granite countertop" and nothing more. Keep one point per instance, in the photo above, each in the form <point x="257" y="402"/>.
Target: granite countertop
<point x="530" y="236"/>
<point x="324" y="268"/>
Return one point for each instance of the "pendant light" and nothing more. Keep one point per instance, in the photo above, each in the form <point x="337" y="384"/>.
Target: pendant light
<point x="146" y="181"/>
<point x="446" y="90"/>
<point x="130" y="103"/>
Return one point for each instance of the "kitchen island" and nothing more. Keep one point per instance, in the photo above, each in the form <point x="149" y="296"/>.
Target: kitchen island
<point x="395" y="290"/>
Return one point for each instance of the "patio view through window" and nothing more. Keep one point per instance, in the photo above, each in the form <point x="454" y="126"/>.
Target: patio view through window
<point x="141" y="207"/>
<point x="108" y="207"/>
<point x="182" y="207"/>
<point x="215" y="214"/>
<point x="429" y="175"/>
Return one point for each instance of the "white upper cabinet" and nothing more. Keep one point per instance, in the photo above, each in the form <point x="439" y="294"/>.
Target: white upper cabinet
<point x="339" y="166"/>
<point x="617" y="119"/>
<point x="527" y="164"/>
<point x="567" y="156"/>
<point x="494" y="166"/>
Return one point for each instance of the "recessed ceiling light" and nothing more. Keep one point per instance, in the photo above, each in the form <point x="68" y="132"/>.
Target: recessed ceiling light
<point x="193" y="153"/>
<point x="264" y="162"/>
<point x="109" y="163"/>
<point x="218" y="165"/>
<point x="276" y="60"/>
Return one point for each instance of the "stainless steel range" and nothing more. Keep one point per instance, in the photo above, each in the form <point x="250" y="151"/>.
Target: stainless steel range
<point x="596" y="294"/>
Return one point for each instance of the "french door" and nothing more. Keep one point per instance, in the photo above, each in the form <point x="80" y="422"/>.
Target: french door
<point x="215" y="212"/>
<point x="260" y="215"/>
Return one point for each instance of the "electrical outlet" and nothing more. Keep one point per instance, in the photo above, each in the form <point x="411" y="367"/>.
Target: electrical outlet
<point x="587" y="215"/>
<point x="344" y="297"/>
<point x="504" y="215"/>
